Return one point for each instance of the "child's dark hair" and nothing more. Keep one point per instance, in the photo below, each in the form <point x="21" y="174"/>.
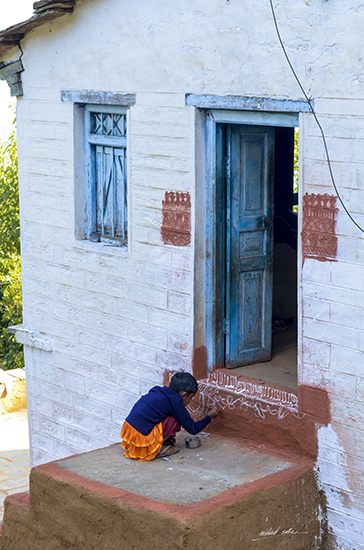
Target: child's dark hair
<point x="183" y="381"/>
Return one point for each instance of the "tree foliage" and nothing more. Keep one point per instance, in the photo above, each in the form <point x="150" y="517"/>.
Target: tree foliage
<point x="11" y="353"/>
<point x="296" y="160"/>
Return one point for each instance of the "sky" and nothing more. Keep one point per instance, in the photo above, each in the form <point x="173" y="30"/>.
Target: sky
<point x="11" y="12"/>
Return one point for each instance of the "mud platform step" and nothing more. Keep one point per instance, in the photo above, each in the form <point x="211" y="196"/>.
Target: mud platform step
<point x="225" y="494"/>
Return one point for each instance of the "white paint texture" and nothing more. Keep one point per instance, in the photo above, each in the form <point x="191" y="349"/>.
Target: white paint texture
<point x="118" y="318"/>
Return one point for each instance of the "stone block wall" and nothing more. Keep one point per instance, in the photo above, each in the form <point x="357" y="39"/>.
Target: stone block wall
<point x="116" y="318"/>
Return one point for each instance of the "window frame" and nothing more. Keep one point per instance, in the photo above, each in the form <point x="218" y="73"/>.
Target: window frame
<point x="91" y="142"/>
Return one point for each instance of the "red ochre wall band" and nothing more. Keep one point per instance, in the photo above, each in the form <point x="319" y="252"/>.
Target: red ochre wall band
<point x="263" y="413"/>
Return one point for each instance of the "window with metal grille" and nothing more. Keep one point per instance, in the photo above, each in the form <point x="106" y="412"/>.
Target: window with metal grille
<point x="106" y="185"/>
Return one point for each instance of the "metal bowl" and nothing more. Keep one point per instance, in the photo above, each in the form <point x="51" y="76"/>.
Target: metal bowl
<point x="193" y="441"/>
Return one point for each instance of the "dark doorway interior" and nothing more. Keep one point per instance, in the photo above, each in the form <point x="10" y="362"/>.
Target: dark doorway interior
<point x="284" y="307"/>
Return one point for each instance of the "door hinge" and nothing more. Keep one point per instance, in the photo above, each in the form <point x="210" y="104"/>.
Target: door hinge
<point x="225" y="326"/>
<point x="227" y="167"/>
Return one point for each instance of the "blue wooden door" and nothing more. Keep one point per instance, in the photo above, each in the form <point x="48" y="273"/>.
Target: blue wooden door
<point x="248" y="273"/>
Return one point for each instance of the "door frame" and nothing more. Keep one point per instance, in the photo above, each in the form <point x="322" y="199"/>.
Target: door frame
<point x="212" y="117"/>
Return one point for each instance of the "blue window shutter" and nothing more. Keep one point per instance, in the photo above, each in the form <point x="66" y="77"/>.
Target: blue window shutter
<point x="120" y="193"/>
<point x="106" y="200"/>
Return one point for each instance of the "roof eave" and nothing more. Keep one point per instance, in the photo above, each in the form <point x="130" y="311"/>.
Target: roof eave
<point x="11" y="65"/>
<point x="50" y="10"/>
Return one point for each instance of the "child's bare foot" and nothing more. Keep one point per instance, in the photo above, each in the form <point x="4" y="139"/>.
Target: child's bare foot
<point x="167" y="450"/>
<point x="170" y="440"/>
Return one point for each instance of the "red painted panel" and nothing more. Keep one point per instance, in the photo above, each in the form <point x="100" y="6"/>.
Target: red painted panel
<point x="319" y="240"/>
<point x="176" y="224"/>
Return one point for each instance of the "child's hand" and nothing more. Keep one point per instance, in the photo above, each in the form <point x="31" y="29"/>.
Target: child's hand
<point x="213" y="413"/>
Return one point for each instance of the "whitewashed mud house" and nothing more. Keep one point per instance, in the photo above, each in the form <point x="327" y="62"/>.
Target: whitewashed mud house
<point x="163" y="226"/>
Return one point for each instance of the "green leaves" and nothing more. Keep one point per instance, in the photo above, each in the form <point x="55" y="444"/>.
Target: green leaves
<point x="9" y="198"/>
<point x="11" y="353"/>
<point x="296" y="160"/>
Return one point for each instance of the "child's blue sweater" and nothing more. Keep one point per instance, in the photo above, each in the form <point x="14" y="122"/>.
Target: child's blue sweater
<point x="156" y="405"/>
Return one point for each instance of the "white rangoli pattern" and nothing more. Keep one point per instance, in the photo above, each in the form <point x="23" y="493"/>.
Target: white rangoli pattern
<point x="261" y="398"/>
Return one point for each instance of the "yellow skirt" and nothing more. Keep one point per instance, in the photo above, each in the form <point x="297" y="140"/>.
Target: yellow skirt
<point x="141" y="447"/>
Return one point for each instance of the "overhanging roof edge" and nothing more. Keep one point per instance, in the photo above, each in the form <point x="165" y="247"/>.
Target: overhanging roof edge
<point x="50" y="11"/>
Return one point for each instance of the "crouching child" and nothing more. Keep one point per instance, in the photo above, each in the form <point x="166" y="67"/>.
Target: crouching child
<point x="150" y="428"/>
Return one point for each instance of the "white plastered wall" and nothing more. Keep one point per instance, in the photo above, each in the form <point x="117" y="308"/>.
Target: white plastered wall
<point x="333" y="317"/>
<point x="117" y="318"/>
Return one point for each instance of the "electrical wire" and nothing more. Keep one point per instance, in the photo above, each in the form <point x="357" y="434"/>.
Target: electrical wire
<point x="22" y="53"/>
<point x="309" y="102"/>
